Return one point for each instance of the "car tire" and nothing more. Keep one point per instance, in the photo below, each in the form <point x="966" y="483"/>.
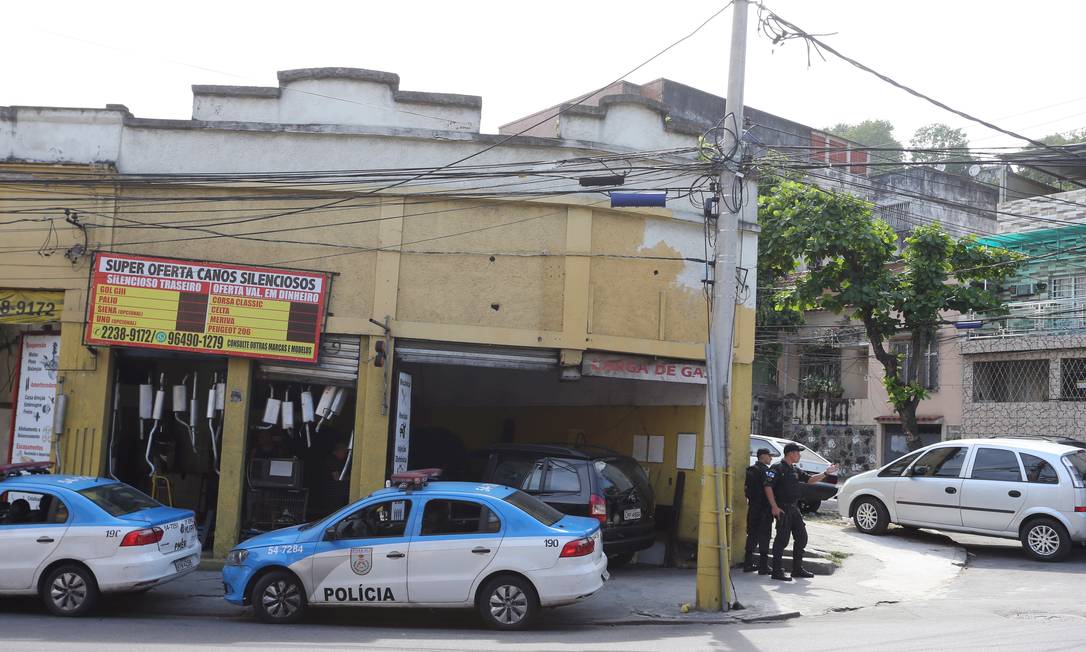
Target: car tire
<point x="69" y="590"/>
<point x="1045" y="539"/>
<point x="619" y="560"/>
<point x="278" y="598"/>
<point x="809" y="506"/>
<point x="508" y="602"/>
<point x="870" y="516"/>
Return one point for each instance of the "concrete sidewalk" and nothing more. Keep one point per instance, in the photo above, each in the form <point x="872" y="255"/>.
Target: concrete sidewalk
<point x="873" y="571"/>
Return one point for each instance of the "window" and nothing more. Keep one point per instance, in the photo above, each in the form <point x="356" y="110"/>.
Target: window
<point x="458" y="517"/>
<point x="926" y="365"/>
<point x="1010" y="381"/>
<point x="1073" y="379"/>
<point x="898" y="467"/>
<point x="1038" y="470"/>
<point x="1067" y="287"/>
<point x="534" y="507"/>
<point x="819" y="369"/>
<point x="1076" y="465"/>
<point x="755" y="444"/>
<point x="944" y="462"/>
<point x="387" y="519"/>
<point x="561" y="478"/>
<point x="22" y="507"/>
<point x="119" y="499"/>
<point x="996" y="464"/>
<point x="523" y="472"/>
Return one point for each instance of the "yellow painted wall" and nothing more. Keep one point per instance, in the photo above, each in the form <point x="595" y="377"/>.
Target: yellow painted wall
<point x="613" y="427"/>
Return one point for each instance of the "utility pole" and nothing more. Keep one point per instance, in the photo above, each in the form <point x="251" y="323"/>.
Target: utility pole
<point x="714" y="585"/>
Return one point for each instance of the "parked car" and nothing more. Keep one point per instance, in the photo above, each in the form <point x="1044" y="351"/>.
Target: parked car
<point x="424" y="544"/>
<point x="1024" y="489"/>
<point x="811" y="495"/>
<point x="69" y="539"/>
<point x="584" y="481"/>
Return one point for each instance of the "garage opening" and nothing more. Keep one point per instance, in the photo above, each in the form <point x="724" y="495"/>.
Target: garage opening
<point x="490" y="413"/>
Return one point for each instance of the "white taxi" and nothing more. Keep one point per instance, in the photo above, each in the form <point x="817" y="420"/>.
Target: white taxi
<point x="69" y="539"/>
<point x="424" y="544"/>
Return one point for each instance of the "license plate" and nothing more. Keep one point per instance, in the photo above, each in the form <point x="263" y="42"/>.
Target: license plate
<point x="183" y="564"/>
<point x="631" y="514"/>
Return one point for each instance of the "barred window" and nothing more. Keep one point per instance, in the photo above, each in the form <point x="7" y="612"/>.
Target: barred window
<point x="1010" y="381"/>
<point x="822" y="362"/>
<point x="1073" y="379"/>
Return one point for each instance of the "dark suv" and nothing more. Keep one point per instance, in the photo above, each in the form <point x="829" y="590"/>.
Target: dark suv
<point x="583" y="481"/>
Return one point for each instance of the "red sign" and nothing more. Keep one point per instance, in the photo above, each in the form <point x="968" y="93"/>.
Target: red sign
<point x="622" y="366"/>
<point x="181" y="305"/>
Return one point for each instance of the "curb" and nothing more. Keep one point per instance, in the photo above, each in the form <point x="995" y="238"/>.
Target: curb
<point x="657" y="619"/>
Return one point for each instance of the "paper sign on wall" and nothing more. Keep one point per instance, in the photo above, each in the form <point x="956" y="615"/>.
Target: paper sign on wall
<point x="640" y="448"/>
<point x="32" y="438"/>
<point x="686" y="453"/>
<point x="403" y="424"/>
<point x="656" y="449"/>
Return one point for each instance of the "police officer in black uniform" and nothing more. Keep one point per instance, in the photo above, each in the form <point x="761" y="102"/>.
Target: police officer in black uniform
<point x="759" y="518"/>
<point x="782" y="482"/>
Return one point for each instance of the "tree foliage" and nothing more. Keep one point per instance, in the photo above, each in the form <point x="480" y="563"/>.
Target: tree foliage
<point x="938" y="136"/>
<point x="873" y="133"/>
<point x="840" y="258"/>
<point x="1072" y="137"/>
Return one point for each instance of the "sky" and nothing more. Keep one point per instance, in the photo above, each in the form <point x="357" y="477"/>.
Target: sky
<point x="1011" y="64"/>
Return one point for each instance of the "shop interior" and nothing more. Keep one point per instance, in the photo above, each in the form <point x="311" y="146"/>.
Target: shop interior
<point x="165" y="428"/>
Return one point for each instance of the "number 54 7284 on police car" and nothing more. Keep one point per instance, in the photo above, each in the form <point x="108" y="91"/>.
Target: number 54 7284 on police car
<point x="438" y="544"/>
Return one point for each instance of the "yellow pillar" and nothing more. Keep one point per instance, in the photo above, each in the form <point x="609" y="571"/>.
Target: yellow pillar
<point x="86" y="378"/>
<point x="369" y="458"/>
<point x="235" y="428"/>
<point x="707" y="583"/>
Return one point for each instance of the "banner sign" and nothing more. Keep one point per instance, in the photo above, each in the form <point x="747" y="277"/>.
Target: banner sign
<point x="32" y="437"/>
<point x="180" y="305"/>
<point x="30" y="306"/>
<point x="628" y="366"/>
<point x="402" y="450"/>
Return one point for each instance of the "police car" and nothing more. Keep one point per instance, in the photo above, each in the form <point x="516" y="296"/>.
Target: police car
<point x="424" y="544"/>
<point x="69" y="538"/>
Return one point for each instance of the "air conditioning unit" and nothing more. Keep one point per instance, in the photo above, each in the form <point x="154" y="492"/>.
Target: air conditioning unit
<point x="1023" y="289"/>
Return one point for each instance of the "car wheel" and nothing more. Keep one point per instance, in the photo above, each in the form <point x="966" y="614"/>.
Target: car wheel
<point x="1045" y="539"/>
<point x="619" y="560"/>
<point x="809" y="506"/>
<point x="69" y="590"/>
<point x="278" y="598"/>
<point x="870" y="516"/>
<point x="508" y="602"/>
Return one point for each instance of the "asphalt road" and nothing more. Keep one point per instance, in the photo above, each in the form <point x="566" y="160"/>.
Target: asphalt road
<point x="1001" y="601"/>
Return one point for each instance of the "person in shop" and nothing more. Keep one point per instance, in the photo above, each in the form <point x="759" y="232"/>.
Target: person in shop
<point x="332" y="493"/>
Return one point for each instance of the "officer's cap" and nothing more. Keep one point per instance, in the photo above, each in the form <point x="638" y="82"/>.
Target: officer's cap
<point x="793" y="448"/>
<point x="763" y="451"/>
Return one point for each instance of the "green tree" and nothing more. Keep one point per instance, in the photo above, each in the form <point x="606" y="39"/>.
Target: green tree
<point x="873" y="133"/>
<point x="851" y="267"/>
<point x="941" y="138"/>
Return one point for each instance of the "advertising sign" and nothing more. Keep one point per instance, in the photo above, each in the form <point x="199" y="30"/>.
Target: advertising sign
<point x="403" y="424"/>
<point x="220" y="308"/>
<point x="30" y="306"/>
<point x="628" y="366"/>
<point x="32" y="437"/>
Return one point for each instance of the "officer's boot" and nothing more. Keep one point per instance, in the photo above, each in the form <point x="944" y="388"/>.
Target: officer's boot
<point x="778" y="569"/>
<point x="763" y="565"/>
<point x="797" y="567"/>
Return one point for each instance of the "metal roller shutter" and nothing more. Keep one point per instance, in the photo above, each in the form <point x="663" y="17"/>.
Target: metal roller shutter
<point x="337" y="364"/>
<point x="475" y="355"/>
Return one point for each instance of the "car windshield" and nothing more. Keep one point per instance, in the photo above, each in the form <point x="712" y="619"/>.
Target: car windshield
<point x="809" y="455"/>
<point x="534" y="507"/>
<point x="119" y="499"/>
<point x="1077" y="461"/>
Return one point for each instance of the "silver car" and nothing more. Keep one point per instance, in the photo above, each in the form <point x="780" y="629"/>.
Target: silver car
<point x="1031" y="490"/>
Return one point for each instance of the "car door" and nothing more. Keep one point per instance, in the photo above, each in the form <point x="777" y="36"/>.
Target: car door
<point x="930" y="491"/>
<point x="362" y="558"/>
<point x="994" y="490"/>
<point x="30" y="533"/>
<point x="457" y="539"/>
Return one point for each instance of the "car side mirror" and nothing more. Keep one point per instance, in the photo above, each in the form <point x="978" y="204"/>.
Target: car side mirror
<point x="920" y="470"/>
<point x="330" y="534"/>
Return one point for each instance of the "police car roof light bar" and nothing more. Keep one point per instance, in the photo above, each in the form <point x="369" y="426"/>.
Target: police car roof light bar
<point x="414" y="478"/>
<point x="29" y="468"/>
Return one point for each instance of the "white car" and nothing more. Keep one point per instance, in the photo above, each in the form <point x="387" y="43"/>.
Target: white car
<point x="424" y="544"/>
<point x="1031" y="490"/>
<point x="811" y="495"/>
<point x="69" y="539"/>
